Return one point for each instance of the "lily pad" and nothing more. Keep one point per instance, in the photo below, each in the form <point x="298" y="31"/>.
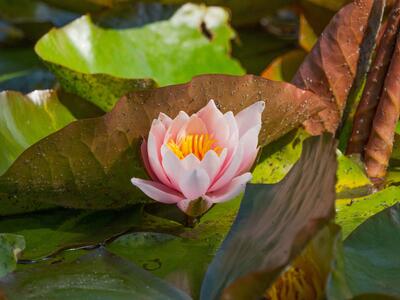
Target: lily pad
<point x="24" y="120"/>
<point x="98" y="275"/>
<point x="11" y="246"/>
<point x="352" y="212"/>
<point x="274" y="224"/>
<point x="101" y="65"/>
<point x="89" y="163"/>
<point x="49" y="232"/>
<point x="370" y="262"/>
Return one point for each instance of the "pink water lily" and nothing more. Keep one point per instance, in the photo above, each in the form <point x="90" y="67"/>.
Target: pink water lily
<point x="195" y="161"/>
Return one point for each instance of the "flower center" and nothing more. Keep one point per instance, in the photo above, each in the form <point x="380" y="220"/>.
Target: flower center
<point x="302" y="281"/>
<point x="198" y="144"/>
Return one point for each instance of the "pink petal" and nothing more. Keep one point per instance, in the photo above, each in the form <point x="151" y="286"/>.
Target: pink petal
<point x="191" y="162"/>
<point x="173" y="167"/>
<point x="214" y="121"/>
<point x="157" y="191"/>
<point x="185" y="206"/>
<point x="250" y="117"/>
<point x="194" y="126"/>
<point x="230" y="171"/>
<point x="212" y="163"/>
<point x="234" y="188"/>
<point x="176" y="125"/>
<point x="145" y="158"/>
<point x="249" y="142"/>
<point x="154" y="143"/>
<point x="194" y="184"/>
<point x="165" y="120"/>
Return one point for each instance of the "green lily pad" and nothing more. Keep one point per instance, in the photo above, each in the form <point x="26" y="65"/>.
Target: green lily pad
<point x="352" y="181"/>
<point x="178" y="254"/>
<point x="274" y="224"/>
<point x="370" y="261"/>
<point x="101" y="65"/>
<point x="352" y="212"/>
<point x="24" y="120"/>
<point x="98" y="275"/>
<point x="49" y="232"/>
<point x="11" y="246"/>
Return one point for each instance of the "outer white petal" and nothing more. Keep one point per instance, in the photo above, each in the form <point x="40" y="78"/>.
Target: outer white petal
<point x="157" y="191"/>
<point x="229" y="191"/>
<point x="194" y="184"/>
<point x="250" y="117"/>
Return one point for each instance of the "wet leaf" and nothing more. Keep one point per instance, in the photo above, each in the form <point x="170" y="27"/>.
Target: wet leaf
<point x="80" y="54"/>
<point x="24" y="120"/>
<point x="353" y="211"/>
<point x="370" y="262"/>
<point x="340" y="57"/>
<point x="48" y="232"/>
<point x="11" y="246"/>
<point x="273" y="225"/>
<point x="89" y="163"/>
<point x="98" y="275"/>
<point x="284" y="67"/>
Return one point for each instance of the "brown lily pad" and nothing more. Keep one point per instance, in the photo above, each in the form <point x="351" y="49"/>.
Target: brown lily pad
<point x="89" y="163"/>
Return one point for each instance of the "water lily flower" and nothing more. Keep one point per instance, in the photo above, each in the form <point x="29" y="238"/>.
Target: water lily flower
<point x="195" y="161"/>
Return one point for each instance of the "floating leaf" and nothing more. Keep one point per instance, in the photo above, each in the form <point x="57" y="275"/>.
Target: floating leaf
<point x="24" y="120"/>
<point x="352" y="212"/>
<point x="89" y="163"/>
<point x="98" y="275"/>
<point x="11" y="246"/>
<point x="370" y="262"/>
<point x="48" y="232"/>
<point x="352" y="180"/>
<point x="101" y="65"/>
<point x="273" y="225"/>
<point x="340" y="57"/>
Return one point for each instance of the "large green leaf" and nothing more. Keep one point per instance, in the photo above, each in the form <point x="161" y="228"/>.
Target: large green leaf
<point x="177" y="254"/>
<point x="89" y="163"/>
<point x="24" y="120"/>
<point x="352" y="212"/>
<point x="11" y="246"/>
<point x="101" y="65"/>
<point x="47" y="233"/>
<point x="278" y="158"/>
<point x="371" y="263"/>
<point x="273" y="225"/>
<point x="98" y="275"/>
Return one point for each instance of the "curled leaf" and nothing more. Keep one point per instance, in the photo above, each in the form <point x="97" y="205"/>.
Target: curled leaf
<point x="380" y="142"/>
<point x="340" y="56"/>
<point x="273" y="225"/>
<point x="373" y="87"/>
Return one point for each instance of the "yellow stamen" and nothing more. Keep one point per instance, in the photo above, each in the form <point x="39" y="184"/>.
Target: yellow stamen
<point x="198" y="144"/>
<point x="302" y="281"/>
